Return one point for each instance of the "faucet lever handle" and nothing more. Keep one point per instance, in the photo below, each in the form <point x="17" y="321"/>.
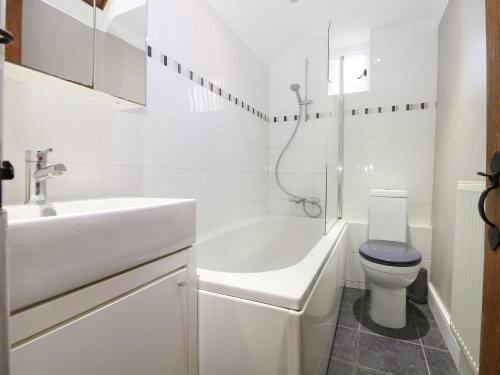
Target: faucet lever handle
<point x="46" y="151"/>
<point x="41" y="155"/>
<point x="37" y="155"/>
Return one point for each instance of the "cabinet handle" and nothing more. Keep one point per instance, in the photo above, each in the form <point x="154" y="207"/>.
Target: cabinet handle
<point x="181" y="283"/>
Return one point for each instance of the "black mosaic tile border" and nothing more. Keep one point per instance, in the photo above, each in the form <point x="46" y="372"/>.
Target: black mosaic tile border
<point x="390" y="108"/>
<point x="357" y="112"/>
<point x="177" y="67"/>
<point x="311" y="116"/>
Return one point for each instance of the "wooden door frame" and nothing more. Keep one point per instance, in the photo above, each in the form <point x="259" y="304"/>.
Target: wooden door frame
<point x="14" y="23"/>
<point x="490" y="331"/>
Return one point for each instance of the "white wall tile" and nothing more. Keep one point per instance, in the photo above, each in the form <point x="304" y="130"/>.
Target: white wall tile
<point x="71" y="126"/>
<point x="155" y="182"/>
<point x="353" y="128"/>
<point x="426" y="86"/>
<point x="419" y="214"/>
<point x="356" y="211"/>
<point x="22" y="130"/>
<point x="423" y="156"/>
<point x="420" y="188"/>
<point x="424" y="124"/>
<point x="357" y="235"/>
<point x="426" y="53"/>
<point x="354" y="272"/>
<point x="14" y="190"/>
<point x="122" y="137"/>
<point x="81" y="181"/>
<point x="421" y="238"/>
<point x="121" y="181"/>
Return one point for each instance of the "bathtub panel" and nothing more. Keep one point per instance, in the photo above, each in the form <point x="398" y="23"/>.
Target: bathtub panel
<point x="241" y="337"/>
<point x="321" y="312"/>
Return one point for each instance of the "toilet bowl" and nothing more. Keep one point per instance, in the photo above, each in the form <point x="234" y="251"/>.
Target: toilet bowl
<point x="389" y="263"/>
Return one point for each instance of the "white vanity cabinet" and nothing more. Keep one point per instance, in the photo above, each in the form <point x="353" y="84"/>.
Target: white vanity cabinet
<point x="135" y="323"/>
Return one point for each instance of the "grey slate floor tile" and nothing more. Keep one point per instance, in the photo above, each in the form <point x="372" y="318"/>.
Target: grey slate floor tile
<point x="366" y="371"/>
<point x="440" y="362"/>
<point x="338" y="367"/>
<point x="345" y="344"/>
<point x="350" y="309"/>
<point x="419" y="311"/>
<point x="408" y="333"/>
<point x="361" y="347"/>
<point x="389" y="355"/>
<point x="429" y="334"/>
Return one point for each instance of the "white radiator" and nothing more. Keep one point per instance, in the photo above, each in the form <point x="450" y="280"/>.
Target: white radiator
<point x="468" y="259"/>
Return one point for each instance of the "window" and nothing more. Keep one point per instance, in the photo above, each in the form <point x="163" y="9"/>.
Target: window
<point x="356" y="62"/>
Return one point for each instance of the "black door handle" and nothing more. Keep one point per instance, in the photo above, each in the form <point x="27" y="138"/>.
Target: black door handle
<point x="6" y="37"/>
<point x="6" y="171"/>
<point x="494" y="178"/>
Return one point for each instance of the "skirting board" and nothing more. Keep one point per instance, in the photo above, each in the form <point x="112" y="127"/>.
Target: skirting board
<point x="443" y="322"/>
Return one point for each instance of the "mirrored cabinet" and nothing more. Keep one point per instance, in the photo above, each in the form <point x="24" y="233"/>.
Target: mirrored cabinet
<point x="97" y="43"/>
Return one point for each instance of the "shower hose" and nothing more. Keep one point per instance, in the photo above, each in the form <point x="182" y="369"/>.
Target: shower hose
<point x="293" y="197"/>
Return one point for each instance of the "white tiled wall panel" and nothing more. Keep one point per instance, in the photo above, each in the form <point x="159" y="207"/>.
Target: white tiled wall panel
<point x="394" y="150"/>
<point x="197" y="144"/>
<point x="302" y="168"/>
<point x="99" y="144"/>
<point x="188" y="143"/>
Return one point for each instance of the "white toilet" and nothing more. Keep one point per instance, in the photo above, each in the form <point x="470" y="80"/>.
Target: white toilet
<point x="388" y="261"/>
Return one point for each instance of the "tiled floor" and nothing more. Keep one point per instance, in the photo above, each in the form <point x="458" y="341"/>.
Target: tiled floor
<point x="362" y="347"/>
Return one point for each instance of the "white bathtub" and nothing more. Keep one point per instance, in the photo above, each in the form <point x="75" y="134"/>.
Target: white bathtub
<point x="269" y="296"/>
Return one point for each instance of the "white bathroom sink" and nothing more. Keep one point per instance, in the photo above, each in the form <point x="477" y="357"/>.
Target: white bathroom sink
<point x="62" y="246"/>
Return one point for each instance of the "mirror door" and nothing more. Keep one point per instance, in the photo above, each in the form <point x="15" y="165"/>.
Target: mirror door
<point x="120" y="64"/>
<point x="54" y="37"/>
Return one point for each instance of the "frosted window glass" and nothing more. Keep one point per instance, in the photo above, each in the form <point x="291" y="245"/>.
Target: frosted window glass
<point x="355" y="64"/>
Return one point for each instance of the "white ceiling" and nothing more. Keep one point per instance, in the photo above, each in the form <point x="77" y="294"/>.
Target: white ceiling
<point x="268" y="27"/>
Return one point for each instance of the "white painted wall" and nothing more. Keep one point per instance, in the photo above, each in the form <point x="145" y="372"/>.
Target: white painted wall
<point x="461" y="126"/>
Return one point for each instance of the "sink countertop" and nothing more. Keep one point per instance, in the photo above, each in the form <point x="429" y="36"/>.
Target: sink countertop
<point x="81" y="242"/>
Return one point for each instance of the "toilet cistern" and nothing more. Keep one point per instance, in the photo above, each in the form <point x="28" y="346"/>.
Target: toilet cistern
<point x="388" y="261"/>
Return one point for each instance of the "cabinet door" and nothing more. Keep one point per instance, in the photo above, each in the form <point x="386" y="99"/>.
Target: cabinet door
<point x="143" y="332"/>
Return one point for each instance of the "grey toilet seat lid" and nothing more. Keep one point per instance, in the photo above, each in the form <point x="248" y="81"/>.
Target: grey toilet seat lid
<point x="390" y="253"/>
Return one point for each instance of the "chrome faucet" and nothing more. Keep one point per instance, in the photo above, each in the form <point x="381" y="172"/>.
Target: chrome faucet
<point x="37" y="174"/>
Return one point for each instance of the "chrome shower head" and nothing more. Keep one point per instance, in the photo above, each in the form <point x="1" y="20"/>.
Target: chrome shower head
<point x="296" y="87"/>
